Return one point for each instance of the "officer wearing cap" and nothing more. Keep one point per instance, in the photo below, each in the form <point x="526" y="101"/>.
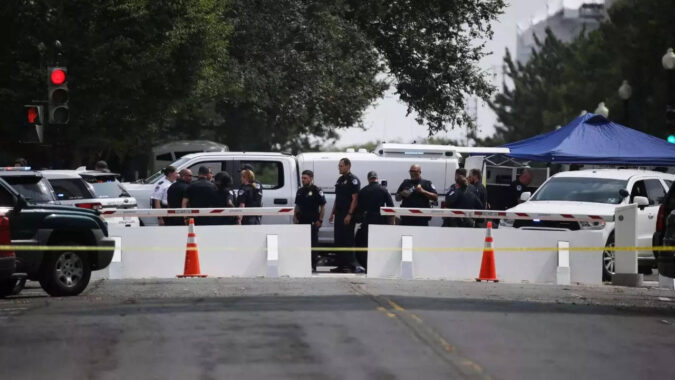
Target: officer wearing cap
<point x="416" y="193"/>
<point x="463" y="198"/>
<point x="346" y="198"/>
<point x="175" y="194"/>
<point x="310" y="206"/>
<point x="371" y="198"/>
<point x="201" y="194"/>
<point x="249" y="195"/>
<point x="159" y="196"/>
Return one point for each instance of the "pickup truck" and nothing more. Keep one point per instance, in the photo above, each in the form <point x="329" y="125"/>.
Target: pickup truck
<point x="63" y="272"/>
<point x="279" y="175"/>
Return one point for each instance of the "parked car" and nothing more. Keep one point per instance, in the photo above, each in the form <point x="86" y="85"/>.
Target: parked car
<point x="7" y="258"/>
<point x="60" y="273"/>
<point x="75" y="188"/>
<point x="599" y="191"/>
<point x="112" y="195"/>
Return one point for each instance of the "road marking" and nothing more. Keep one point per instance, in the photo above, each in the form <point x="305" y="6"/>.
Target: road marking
<point x="425" y="334"/>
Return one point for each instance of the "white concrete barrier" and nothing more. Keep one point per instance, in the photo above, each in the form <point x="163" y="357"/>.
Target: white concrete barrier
<point x="441" y="253"/>
<point x="224" y="251"/>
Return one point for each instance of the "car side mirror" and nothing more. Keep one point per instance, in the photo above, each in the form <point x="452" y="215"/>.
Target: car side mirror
<point x="641" y="202"/>
<point x="20" y="204"/>
<point x="624" y="193"/>
<point x="525" y="196"/>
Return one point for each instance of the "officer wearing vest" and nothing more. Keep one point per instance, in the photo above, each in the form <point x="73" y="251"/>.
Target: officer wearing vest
<point x="517" y="187"/>
<point x="310" y="206"/>
<point x="175" y="194"/>
<point x="416" y="193"/>
<point x="346" y="198"/>
<point x="158" y="198"/>
<point x="201" y="194"/>
<point x="249" y="195"/>
<point x="371" y="198"/>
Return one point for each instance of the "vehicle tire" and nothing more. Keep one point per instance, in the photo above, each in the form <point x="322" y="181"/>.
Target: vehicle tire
<point x="65" y="273"/>
<point x="7" y="287"/>
<point x="608" y="260"/>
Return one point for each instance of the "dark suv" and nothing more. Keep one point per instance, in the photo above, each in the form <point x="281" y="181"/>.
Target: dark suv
<point x="61" y="272"/>
<point x="665" y="233"/>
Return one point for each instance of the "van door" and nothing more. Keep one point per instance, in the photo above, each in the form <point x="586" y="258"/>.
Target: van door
<point x="276" y="183"/>
<point x="646" y="218"/>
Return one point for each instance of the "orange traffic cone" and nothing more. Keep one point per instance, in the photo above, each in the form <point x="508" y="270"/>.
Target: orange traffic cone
<point x="488" y="272"/>
<point x="191" y="254"/>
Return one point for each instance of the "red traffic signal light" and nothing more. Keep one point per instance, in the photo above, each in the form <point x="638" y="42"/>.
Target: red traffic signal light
<point x="57" y="77"/>
<point x="32" y="114"/>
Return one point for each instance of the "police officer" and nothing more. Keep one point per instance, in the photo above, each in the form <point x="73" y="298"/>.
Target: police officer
<point x="175" y="194"/>
<point x="224" y="197"/>
<point x="248" y="166"/>
<point x="371" y="198"/>
<point x="159" y="196"/>
<point x="416" y="192"/>
<point x="461" y="198"/>
<point x="475" y="179"/>
<point x="346" y="199"/>
<point x="517" y="187"/>
<point x="310" y="207"/>
<point x="201" y="194"/>
<point x="249" y="195"/>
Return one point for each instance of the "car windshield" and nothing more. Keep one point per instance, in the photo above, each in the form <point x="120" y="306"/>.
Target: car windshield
<point x="34" y="189"/>
<point x="155" y="177"/>
<point x="110" y="189"/>
<point x="71" y="188"/>
<point x="595" y="190"/>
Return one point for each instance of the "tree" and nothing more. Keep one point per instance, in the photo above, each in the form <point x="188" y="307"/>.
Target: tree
<point x="561" y="80"/>
<point x="135" y="66"/>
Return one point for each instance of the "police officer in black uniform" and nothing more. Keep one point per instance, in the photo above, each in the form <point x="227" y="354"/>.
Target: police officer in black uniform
<point x="416" y="192"/>
<point x="475" y="179"/>
<point x="371" y="198"/>
<point x="249" y="195"/>
<point x="517" y="187"/>
<point x="224" y="197"/>
<point x="310" y="207"/>
<point x="463" y="198"/>
<point x="201" y="194"/>
<point x="346" y="199"/>
<point x="175" y="194"/>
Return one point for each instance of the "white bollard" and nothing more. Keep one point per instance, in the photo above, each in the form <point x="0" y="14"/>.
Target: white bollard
<point x="625" y="235"/>
<point x="272" y="255"/>
<point x="406" y="257"/>
<point x="563" y="271"/>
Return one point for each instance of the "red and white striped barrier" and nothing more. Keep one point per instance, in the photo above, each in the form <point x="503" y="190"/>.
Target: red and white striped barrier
<point x="191" y="212"/>
<point x="488" y="214"/>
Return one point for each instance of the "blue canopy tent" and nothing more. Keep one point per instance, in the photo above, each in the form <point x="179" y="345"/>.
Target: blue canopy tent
<point x="592" y="139"/>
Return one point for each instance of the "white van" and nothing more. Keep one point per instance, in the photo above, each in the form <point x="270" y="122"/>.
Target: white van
<point x="165" y="154"/>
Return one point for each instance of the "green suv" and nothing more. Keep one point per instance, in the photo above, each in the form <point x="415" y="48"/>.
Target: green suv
<point x="61" y="272"/>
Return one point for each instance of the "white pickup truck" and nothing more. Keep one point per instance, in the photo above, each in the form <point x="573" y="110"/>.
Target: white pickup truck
<point x="280" y="173"/>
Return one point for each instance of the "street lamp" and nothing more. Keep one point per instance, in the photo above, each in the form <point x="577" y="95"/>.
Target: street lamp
<point x="602" y="110"/>
<point x="625" y="91"/>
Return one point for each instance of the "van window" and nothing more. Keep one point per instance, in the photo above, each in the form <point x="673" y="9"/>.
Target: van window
<point x="655" y="192"/>
<point x="164" y="157"/>
<point x="269" y="173"/>
<point x="68" y="189"/>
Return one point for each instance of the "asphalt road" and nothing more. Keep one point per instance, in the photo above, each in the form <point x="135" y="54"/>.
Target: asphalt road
<point x="338" y="328"/>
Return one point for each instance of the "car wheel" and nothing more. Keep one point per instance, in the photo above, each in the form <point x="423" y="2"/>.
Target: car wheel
<point x="608" y="260"/>
<point x="65" y="273"/>
<point x="7" y="287"/>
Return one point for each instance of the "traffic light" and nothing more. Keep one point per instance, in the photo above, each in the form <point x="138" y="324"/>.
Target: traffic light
<point x="57" y="95"/>
<point x="33" y="131"/>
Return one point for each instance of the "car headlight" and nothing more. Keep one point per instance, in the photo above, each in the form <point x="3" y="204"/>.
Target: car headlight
<point x="506" y="222"/>
<point x="599" y="225"/>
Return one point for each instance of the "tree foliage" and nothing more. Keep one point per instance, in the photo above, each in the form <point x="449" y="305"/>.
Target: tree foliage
<point x="561" y="80"/>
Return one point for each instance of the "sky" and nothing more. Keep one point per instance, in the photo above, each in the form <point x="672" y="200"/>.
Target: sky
<point x="386" y="119"/>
